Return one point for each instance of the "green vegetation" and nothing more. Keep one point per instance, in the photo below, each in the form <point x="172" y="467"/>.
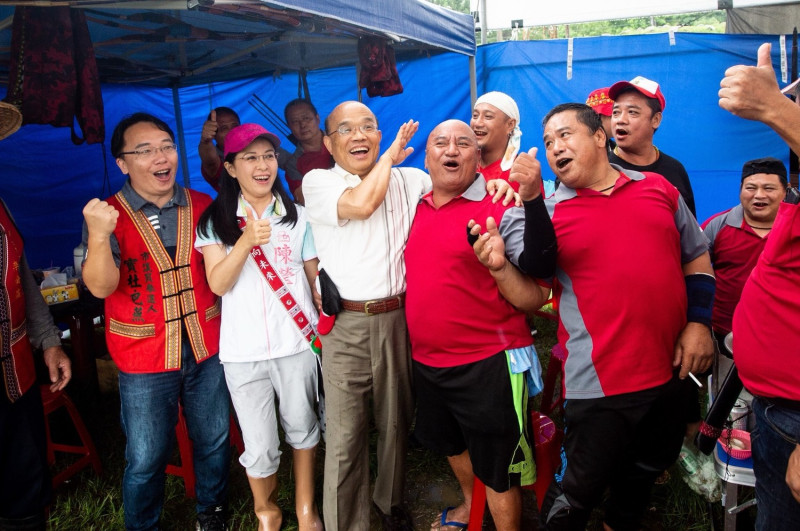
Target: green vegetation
<point x="699" y="22"/>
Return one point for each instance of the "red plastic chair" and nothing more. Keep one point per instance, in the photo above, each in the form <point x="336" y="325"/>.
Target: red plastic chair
<point x="52" y="402"/>
<point x="185" y="469"/>
<point x="552" y="399"/>
<point x="547" y="453"/>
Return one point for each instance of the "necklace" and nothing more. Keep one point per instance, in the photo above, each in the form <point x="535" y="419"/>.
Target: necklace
<point x="607" y="189"/>
<point x="759" y="228"/>
<point x="616" y="152"/>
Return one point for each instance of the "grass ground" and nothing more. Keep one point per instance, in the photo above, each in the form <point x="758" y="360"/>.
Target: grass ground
<point x="88" y="502"/>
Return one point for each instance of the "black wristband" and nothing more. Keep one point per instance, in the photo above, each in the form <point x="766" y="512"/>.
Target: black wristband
<point x="700" y="290"/>
<point x="538" y="257"/>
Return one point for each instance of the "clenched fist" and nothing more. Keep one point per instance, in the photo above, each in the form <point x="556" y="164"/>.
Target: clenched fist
<point x="101" y="218"/>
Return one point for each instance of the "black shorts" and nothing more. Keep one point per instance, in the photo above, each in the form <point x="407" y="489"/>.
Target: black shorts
<point x="473" y="407"/>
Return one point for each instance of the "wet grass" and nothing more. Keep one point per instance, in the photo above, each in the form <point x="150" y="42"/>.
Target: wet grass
<point x="88" y="502"/>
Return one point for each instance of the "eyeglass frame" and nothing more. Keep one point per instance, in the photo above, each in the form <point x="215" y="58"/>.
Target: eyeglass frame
<point x="266" y="157"/>
<point x="159" y="149"/>
<point x="351" y="129"/>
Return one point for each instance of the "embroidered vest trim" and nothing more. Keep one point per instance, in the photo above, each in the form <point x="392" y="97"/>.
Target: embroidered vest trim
<point x="177" y="291"/>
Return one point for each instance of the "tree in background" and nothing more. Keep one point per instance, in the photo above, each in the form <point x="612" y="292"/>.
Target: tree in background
<point x="699" y="22"/>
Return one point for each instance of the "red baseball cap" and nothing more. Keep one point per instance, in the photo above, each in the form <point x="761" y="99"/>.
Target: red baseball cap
<point x="243" y="135"/>
<point x="649" y="88"/>
<point x="600" y="101"/>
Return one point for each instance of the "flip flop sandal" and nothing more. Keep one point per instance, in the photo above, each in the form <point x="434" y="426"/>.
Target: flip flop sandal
<point x="444" y="523"/>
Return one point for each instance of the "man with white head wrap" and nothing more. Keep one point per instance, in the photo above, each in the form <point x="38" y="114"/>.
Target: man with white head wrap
<point x="495" y="122"/>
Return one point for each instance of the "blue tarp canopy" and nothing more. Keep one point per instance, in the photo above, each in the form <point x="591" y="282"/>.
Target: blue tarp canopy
<point x="165" y="44"/>
<point x="46" y="180"/>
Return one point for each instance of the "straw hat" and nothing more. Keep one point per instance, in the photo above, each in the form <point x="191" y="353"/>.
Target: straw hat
<point x="10" y="119"/>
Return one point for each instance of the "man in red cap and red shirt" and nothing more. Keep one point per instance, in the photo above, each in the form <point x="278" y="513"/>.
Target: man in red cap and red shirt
<point x="603" y="105"/>
<point x="637" y="113"/>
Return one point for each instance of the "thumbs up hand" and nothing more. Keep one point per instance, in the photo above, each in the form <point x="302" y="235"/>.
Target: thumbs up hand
<point x="209" y="128"/>
<point x="256" y="231"/>
<point x="752" y="91"/>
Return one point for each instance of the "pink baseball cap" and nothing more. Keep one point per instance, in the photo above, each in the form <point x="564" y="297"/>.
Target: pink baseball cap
<point x="600" y="101"/>
<point x="649" y="88"/>
<point x="243" y="135"/>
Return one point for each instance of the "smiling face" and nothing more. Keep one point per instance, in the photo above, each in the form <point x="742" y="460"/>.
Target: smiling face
<point x="492" y="127"/>
<point x="357" y="151"/>
<point x="761" y="195"/>
<point x="633" y="122"/>
<point x="576" y="154"/>
<point x="255" y="168"/>
<point x="451" y="157"/>
<point x="154" y="176"/>
<point x="303" y="122"/>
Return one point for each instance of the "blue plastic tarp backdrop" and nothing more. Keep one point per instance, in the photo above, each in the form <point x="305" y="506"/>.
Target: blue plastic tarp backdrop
<point x="46" y="180"/>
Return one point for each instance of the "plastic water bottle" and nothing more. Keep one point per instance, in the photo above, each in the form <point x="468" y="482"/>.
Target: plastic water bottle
<point x="699" y="473"/>
<point x="77" y="258"/>
<point x="688" y="461"/>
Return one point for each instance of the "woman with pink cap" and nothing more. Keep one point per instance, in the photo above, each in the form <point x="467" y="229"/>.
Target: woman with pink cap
<point x="260" y="257"/>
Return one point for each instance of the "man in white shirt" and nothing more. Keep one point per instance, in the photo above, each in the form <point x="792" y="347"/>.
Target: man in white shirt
<point x="360" y="213"/>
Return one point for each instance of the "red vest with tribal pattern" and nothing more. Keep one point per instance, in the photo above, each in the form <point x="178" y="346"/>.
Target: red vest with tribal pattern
<point x="16" y="355"/>
<point x="157" y="297"/>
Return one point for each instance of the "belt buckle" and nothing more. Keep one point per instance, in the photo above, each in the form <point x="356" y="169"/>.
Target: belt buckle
<point x="366" y="307"/>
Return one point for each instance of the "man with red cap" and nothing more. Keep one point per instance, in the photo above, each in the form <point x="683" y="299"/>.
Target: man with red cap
<point x="603" y="105"/>
<point x="637" y="113"/>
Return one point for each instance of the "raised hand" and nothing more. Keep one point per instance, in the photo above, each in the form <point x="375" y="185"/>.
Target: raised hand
<point x="398" y="151"/>
<point x="101" y="218"/>
<point x="209" y="128"/>
<point x="489" y="247"/>
<point x="256" y="231"/>
<point x="750" y="91"/>
<point x="527" y="171"/>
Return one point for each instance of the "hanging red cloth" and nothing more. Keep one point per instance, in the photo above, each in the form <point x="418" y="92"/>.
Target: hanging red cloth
<point x="378" y="68"/>
<point x="53" y="75"/>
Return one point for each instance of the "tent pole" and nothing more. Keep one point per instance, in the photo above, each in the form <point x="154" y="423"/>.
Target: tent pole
<point x="176" y="104"/>
<point x="473" y="87"/>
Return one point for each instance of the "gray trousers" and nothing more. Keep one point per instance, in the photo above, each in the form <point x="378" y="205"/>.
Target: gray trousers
<point x="365" y="355"/>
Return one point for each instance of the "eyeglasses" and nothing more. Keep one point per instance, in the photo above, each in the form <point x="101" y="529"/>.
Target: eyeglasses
<point x="347" y="130"/>
<point x="266" y="157"/>
<point x="150" y="152"/>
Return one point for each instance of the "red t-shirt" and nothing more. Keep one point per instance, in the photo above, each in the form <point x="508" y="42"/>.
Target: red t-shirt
<point x="621" y="289"/>
<point x="455" y="313"/>
<point x="493" y="171"/>
<point x="311" y="160"/>
<point x="766" y="323"/>
<point x="734" y="249"/>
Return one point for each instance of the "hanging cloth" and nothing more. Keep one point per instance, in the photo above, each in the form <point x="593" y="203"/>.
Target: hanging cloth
<point x="53" y="75"/>
<point x="378" y="68"/>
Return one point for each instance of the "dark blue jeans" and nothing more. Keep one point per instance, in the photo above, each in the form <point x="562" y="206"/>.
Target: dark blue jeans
<point x="774" y="438"/>
<point x="149" y="412"/>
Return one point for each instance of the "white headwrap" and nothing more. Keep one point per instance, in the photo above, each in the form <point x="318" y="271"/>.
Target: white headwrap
<point x="508" y="106"/>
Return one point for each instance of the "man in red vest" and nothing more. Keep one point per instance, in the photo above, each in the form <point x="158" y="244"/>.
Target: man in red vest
<point x="162" y="322"/>
<point x="25" y="324"/>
